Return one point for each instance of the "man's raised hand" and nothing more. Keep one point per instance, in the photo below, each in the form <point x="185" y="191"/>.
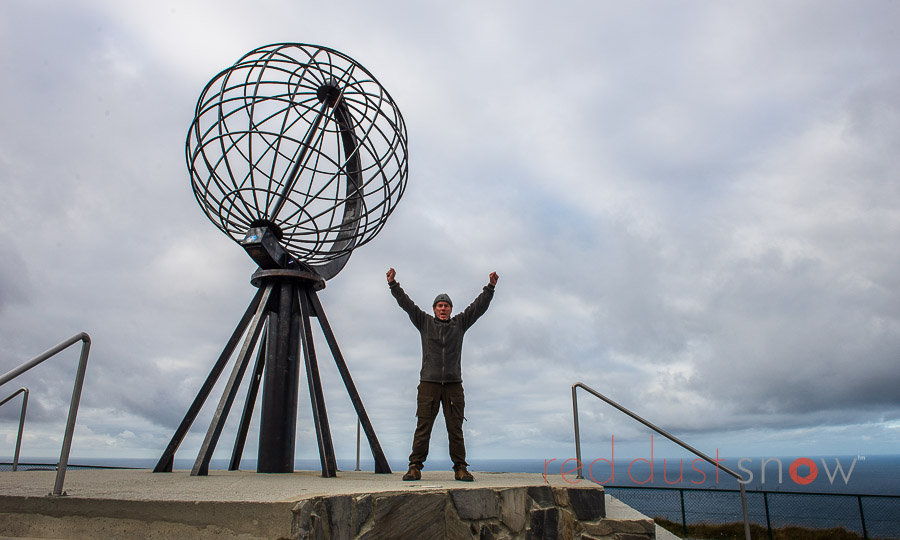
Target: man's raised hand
<point x="493" y="278"/>
<point x="390" y="275"/>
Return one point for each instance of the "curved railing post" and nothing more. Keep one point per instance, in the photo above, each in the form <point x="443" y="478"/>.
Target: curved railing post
<point x="76" y="396"/>
<point x="664" y="434"/>
<point x="23" y="391"/>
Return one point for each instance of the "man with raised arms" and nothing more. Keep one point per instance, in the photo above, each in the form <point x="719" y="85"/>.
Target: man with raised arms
<point x="440" y="380"/>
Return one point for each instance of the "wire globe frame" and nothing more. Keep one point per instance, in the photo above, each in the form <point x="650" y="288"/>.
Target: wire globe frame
<point x="304" y="140"/>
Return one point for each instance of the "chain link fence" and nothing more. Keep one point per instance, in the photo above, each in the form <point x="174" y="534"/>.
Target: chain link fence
<point x="861" y="516"/>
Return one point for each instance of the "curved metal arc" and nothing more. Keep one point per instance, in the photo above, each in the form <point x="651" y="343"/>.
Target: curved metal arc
<point x="213" y="178"/>
<point x="350" y="222"/>
<point x="301" y="159"/>
<point x="351" y="140"/>
<point x="350" y="145"/>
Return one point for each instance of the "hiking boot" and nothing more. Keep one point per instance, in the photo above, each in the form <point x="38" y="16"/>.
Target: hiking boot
<point x="463" y="475"/>
<point x="412" y="474"/>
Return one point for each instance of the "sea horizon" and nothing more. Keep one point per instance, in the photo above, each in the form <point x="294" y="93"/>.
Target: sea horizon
<point x="872" y="474"/>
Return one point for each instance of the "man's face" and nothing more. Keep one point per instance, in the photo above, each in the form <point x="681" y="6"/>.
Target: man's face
<point x="442" y="310"/>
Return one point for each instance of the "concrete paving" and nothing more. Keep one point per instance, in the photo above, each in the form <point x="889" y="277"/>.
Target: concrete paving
<point x="151" y="501"/>
<point x="245" y="486"/>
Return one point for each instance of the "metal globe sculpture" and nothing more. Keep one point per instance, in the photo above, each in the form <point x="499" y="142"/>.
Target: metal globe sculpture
<point x="302" y="140"/>
<point x="298" y="154"/>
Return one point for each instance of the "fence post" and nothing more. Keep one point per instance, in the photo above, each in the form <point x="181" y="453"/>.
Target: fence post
<point x="683" y="517"/>
<point x="768" y="521"/>
<point x="358" y="423"/>
<point x="862" y="517"/>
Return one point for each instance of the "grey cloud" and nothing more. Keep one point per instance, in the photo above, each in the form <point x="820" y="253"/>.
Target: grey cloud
<point x="690" y="210"/>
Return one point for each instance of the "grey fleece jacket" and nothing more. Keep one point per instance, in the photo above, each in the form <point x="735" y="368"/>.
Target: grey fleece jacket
<point x="442" y="340"/>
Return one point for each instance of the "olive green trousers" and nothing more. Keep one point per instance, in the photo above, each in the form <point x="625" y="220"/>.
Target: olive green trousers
<point x="449" y="397"/>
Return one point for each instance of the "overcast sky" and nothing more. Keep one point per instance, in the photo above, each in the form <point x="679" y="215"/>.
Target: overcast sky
<point x="694" y="208"/>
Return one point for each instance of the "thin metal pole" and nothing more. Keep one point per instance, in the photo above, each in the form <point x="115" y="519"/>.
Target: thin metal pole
<point x="683" y="515"/>
<point x="862" y="517"/>
<point x="358" y="425"/>
<point x="580" y="475"/>
<point x="23" y="391"/>
<point x="744" y="509"/>
<point x="768" y="520"/>
<point x="73" y="412"/>
<point x="21" y="428"/>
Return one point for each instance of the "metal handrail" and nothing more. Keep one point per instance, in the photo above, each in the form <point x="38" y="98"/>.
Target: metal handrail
<point x="23" y="391"/>
<point x="76" y="396"/>
<point x="661" y="432"/>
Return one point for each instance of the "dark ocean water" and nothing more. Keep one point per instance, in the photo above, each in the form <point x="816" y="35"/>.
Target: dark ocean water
<point x="872" y="474"/>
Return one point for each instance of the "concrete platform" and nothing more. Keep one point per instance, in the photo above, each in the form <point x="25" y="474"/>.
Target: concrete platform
<point x="117" y="503"/>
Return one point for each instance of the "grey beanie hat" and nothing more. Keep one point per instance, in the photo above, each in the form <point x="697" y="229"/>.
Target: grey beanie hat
<point x="443" y="297"/>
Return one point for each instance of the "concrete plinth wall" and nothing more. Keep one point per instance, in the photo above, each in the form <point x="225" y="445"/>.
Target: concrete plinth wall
<point x="304" y="505"/>
<point x="73" y="517"/>
<point x="535" y="512"/>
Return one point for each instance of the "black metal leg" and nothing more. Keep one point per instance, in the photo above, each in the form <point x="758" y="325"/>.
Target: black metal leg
<point x="293" y="379"/>
<point x="381" y="463"/>
<point x="316" y="397"/>
<point x="201" y="465"/>
<point x="288" y="306"/>
<point x="278" y="418"/>
<point x="249" y="403"/>
<point x="167" y="460"/>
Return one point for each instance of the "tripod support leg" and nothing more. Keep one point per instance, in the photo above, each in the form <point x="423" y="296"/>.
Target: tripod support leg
<point x="381" y="463"/>
<point x="316" y="397"/>
<point x="247" y="415"/>
<point x="167" y="460"/>
<point x="201" y="465"/>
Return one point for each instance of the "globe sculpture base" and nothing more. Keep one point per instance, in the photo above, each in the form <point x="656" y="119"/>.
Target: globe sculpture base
<point x="282" y="309"/>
